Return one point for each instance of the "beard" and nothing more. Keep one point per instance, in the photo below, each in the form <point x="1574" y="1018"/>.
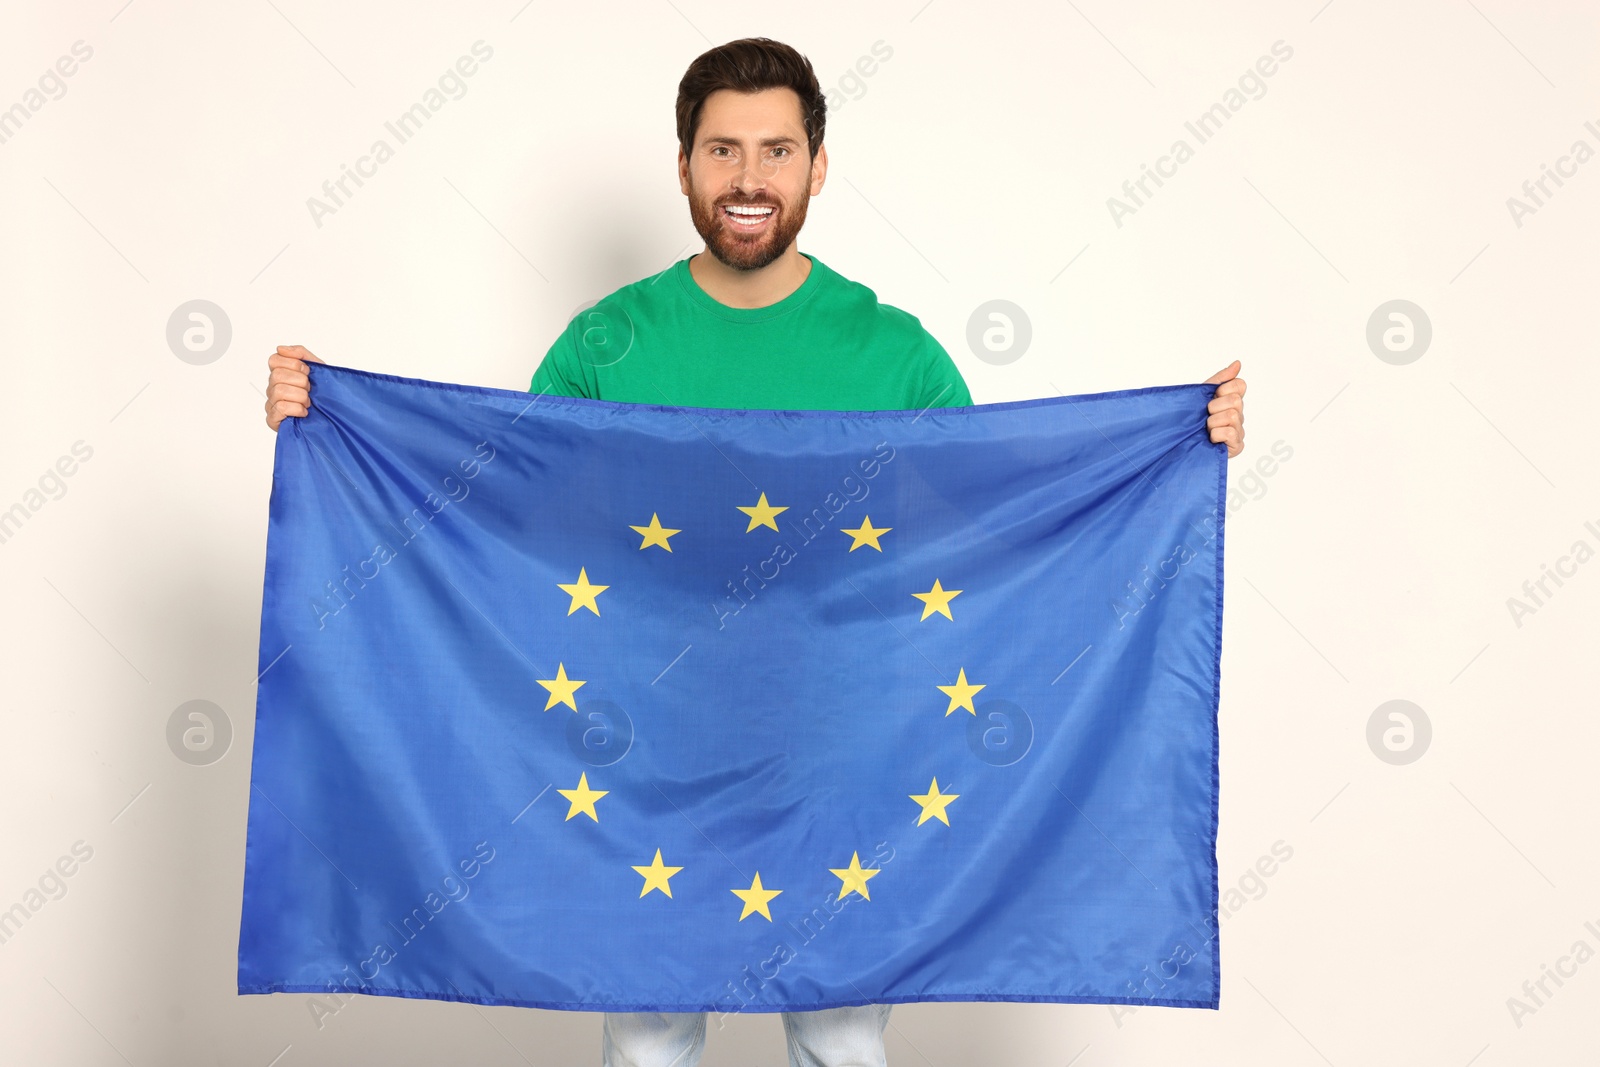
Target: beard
<point x="742" y="251"/>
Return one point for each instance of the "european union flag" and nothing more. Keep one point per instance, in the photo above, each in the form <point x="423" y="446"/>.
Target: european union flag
<point x="575" y="704"/>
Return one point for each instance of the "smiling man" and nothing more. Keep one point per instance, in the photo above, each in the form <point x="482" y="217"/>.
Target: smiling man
<point x="749" y="322"/>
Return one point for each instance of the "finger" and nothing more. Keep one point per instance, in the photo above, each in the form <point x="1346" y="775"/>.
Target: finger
<point x="1227" y="431"/>
<point x="1225" y="402"/>
<point x="299" y="352"/>
<point x="1224" y="374"/>
<point x="1234" y="441"/>
<point x="286" y="409"/>
<point x="290" y="370"/>
<point x="289" y="393"/>
<point x="287" y="377"/>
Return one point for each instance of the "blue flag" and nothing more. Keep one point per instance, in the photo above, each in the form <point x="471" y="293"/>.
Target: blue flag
<point x="574" y="704"/>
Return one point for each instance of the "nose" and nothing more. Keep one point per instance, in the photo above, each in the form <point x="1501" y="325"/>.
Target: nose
<point x="750" y="180"/>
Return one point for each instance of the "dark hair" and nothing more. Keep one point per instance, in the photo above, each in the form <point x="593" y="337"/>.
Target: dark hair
<point x="749" y="66"/>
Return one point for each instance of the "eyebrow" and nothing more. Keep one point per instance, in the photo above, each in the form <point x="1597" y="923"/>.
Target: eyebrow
<point x="723" y="138"/>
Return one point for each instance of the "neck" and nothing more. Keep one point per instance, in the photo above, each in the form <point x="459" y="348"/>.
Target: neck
<point x="750" y="288"/>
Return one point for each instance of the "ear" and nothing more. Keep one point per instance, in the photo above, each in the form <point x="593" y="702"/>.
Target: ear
<point x="683" y="171"/>
<point x="819" y="169"/>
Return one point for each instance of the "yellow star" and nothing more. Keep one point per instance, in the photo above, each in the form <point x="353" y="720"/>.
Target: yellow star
<point x="656" y="876"/>
<point x="960" y="694"/>
<point x="937" y="599"/>
<point x="934" y="804"/>
<point x="854" y="878"/>
<point x="762" y="514"/>
<point x="655" y="533"/>
<point x="755" y="898"/>
<point x="866" y="534"/>
<point x="583" y="799"/>
<point x="582" y="592"/>
<point x="561" y="688"/>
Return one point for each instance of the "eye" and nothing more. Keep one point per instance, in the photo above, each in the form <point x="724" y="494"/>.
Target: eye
<point x="719" y="148"/>
<point x="781" y="149"/>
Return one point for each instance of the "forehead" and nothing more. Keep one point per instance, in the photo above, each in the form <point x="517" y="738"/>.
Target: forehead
<point x="731" y="115"/>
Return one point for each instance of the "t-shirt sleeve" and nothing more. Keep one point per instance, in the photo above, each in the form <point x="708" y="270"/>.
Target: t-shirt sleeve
<point x="942" y="384"/>
<point x="560" y="372"/>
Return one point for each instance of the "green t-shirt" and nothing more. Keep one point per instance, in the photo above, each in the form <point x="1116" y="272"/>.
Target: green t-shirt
<point x="829" y="346"/>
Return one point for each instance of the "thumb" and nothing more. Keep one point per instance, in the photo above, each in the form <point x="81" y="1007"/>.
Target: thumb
<point x="298" y="352"/>
<point x="1230" y="371"/>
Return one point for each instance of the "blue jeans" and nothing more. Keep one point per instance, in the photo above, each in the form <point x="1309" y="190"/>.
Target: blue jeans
<point x="833" y="1037"/>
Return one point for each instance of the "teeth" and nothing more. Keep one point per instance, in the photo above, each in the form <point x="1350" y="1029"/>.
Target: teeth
<point x="751" y="212"/>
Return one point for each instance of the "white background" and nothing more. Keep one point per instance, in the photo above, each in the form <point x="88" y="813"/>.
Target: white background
<point x="974" y="164"/>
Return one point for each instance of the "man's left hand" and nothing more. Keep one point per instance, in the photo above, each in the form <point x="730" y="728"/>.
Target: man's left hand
<point x="1225" y="413"/>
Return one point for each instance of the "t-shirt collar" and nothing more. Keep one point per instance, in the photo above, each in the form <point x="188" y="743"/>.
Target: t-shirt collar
<point x="794" y="300"/>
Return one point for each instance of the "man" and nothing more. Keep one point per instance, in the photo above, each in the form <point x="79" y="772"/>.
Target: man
<point x="750" y="322"/>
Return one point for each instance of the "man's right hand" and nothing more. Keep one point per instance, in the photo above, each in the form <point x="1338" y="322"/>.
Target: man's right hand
<point x="288" y="384"/>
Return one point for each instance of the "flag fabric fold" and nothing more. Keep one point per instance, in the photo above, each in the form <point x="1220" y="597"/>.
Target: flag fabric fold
<point x="584" y="705"/>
